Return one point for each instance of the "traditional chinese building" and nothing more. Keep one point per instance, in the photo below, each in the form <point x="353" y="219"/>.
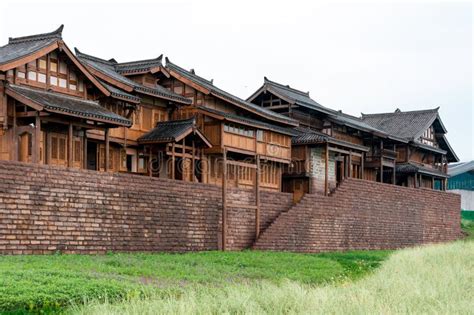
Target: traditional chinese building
<point x="332" y="145"/>
<point x="50" y="102"/>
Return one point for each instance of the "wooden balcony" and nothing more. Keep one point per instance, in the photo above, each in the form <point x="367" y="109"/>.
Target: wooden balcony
<point x="388" y="159"/>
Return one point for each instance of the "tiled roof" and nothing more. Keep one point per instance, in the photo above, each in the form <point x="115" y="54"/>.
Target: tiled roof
<point x="308" y="136"/>
<point x="57" y="102"/>
<point x="118" y="93"/>
<point x="168" y="131"/>
<point x="20" y="47"/>
<point x="139" y="66"/>
<point x="410" y="167"/>
<point x="107" y="67"/>
<point x="294" y="96"/>
<point x="409" y="125"/>
<point x="209" y="85"/>
<point x="249" y="121"/>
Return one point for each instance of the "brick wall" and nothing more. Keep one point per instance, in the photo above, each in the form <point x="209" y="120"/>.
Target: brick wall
<point x="365" y="215"/>
<point x="44" y="209"/>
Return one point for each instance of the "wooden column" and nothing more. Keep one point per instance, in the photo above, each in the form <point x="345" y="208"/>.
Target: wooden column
<point x="257" y="199"/>
<point x="432" y="183"/>
<point x="224" y="199"/>
<point x="150" y="161"/>
<point x="15" y="136"/>
<point x="107" y="149"/>
<point x="362" y="169"/>
<point x="173" y="158"/>
<point x="381" y="161"/>
<point x="394" y="179"/>
<point x="350" y="164"/>
<point x="326" y="170"/>
<point x="193" y="162"/>
<point x="36" y="149"/>
<point x="69" y="145"/>
<point x="84" y="151"/>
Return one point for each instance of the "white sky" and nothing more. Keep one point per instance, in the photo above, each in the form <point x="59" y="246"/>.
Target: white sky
<point x="355" y="56"/>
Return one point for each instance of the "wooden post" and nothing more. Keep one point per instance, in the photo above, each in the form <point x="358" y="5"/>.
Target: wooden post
<point x="381" y="161"/>
<point x="432" y="182"/>
<point x="349" y="166"/>
<point x="257" y="198"/>
<point x="224" y="199"/>
<point x="193" y="162"/>
<point x="326" y="170"/>
<point x="69" y="145"/>
<point x="150" y="161"/>
<point x="107" y="149"/>
<point x="172" y="161"/>
<point x="36" y="153"/>
<point x="84" y="150"/>
<point x="421" y="181"/>
<point x="15" y="136"/>
<point x="362" y="161"/>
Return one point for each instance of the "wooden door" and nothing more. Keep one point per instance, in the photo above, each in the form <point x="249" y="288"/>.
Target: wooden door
<point x="58" y="149"/>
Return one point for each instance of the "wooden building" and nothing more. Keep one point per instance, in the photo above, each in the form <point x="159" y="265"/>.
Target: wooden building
<point x="422" y="161"/>
<point x="135" y="82"/>
<point x="49" y="102"/>
<point x="332" y="145"/>
<point x="241" y="133"/>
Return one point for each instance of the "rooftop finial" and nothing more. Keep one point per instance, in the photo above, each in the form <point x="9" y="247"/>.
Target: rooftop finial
<point x="113" y="60"/>
<point x="160" y="57"/>
<point x="212" y="81"/>
<point x="398" y="110"/>
<point x="192" y="71"/>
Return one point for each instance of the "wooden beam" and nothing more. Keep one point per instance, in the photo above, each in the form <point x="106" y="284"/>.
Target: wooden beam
<point x="257" y="199"/>
<point x="241" y="164"/>
<point x="224" y="200"/>
<point x="107" y="149"/>
<point x="326" y="170"/>
<point x="69" y="145"/>
<point x="36" y="153"/>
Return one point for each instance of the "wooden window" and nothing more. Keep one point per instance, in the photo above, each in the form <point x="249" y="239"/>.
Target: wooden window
<point x="147" y="118"/>
<point x="77" y="150"/>
<point x="260" y="135"/>
<point x="54" y="147"/>
<point x="41" y="77"/>
<point x="32" y="75"/>
<point x="53" y="81"/>
<point x="81" y="85"/>
<point x="62" y="67"/>
<point x="42" y="64"/>
<point x="62" y="149"/>
<point x="62" y="83"/>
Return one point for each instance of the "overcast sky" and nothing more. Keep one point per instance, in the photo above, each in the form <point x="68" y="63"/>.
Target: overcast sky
<point x="355" y="56"/>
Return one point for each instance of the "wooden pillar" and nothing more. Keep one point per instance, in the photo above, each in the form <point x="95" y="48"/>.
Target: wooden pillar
<point x="432" y="183"/>
<point x="15" y="136"/>
<point x="350" y="164"/>
<point x="381" y="161"/>
<point x="150" y="161"/>
<point x="84" y="151"/>
<point x="326" y="170"/>
<point x="173" y="158"/>
<point x="257" y="199"/>
<point x="36" y="149"/>
<point x="224" y="199"/>
<point x="362" y="169"/>
<point x="107" y="149"/>
<point x="69" y="145"/>
<point x="193" y="162"/>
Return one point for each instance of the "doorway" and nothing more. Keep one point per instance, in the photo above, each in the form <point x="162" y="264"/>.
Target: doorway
<point x="91" y="155"/>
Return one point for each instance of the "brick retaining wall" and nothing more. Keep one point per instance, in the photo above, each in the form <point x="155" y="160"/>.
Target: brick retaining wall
<point x="365" y="215"/>
<point x="44" y="209"/>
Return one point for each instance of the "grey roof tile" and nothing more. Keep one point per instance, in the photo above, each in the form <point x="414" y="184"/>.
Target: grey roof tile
<point x="69" y="105"/>
<point x="168" y="131"/>
<point x="20" y="47"/>
<point x="261" y="111"/>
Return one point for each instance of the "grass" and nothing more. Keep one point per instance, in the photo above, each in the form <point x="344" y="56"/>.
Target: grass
<point x="431" y="279"/>
<point x="51" y="283"/>
<point x="437" y="279"/>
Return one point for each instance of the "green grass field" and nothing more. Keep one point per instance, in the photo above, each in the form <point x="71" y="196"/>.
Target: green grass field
<point x="430" y="279"/>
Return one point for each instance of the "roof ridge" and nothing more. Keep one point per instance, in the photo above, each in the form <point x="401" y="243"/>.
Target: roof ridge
<point x="139" y="62"/>
<point x="266" y="80"/>
<point x="190" y="72"/>
<point x="399" y="112"/>
<point x="54" y="34"/>
<point x="80" y="54"/>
